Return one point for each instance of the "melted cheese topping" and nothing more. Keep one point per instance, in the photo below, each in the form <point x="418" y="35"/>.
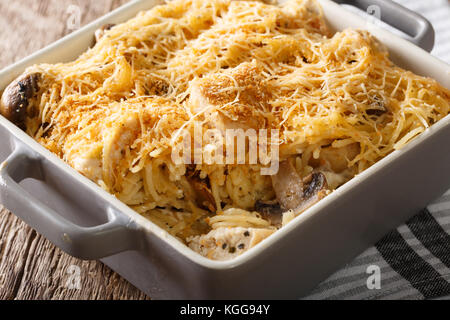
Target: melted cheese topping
<point x="114" y="112"/>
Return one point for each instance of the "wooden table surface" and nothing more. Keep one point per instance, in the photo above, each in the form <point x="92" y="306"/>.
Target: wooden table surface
<point x="30" y="266"/>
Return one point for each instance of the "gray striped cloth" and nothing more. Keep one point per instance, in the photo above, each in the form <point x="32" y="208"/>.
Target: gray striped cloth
<point x="413" y="261"/>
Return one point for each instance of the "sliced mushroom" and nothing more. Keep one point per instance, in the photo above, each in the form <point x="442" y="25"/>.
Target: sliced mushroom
<point x="293" y="193"/>
<point x="203" y="195"/>
<point x="268" y="207"/>
<point x="100" y="32"/>
<point x="377" y="107"/>
<point x="316" y="190"/>
<point x="288" y="186"/>
<point x="15" y="98"/>
<point x="270" y="210"/>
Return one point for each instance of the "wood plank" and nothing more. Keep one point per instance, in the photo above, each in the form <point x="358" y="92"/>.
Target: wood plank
<point x="30" y="266"/>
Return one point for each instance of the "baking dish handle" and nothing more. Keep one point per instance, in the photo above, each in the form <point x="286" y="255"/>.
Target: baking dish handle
<point x="418" y="30"/>
<point x="96" y="242"/>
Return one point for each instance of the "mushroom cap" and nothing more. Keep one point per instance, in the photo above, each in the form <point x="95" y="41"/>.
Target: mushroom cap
<point x="15" y="98"/>
<point x="317" y="183"/>
<point x="296" y="194"/>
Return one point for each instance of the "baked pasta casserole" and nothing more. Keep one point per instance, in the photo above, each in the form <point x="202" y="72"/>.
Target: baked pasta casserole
<point x="335" y="101"/>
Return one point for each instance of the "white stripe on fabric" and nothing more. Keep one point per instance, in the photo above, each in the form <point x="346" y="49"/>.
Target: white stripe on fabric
<point x="389" y="278"/>
<point x="390" y="282"/>
<point x="439" y="206"/>
<point x="423" y="252"/>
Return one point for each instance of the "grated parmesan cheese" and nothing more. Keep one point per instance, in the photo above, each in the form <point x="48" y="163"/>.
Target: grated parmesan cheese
<point x="115" y="112"/>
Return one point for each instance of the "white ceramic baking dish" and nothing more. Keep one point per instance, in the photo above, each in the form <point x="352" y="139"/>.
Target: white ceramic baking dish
<point x="87" y="222"/>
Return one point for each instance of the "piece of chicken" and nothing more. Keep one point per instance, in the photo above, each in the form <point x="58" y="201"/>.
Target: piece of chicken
<point x="227" y="243"/>
<point x="116" y="143"/>
<point x="336" y="159"/>
<point x="231" y="99"/>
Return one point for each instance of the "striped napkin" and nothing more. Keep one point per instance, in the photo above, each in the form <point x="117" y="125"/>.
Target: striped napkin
<point x="413" y="261"/>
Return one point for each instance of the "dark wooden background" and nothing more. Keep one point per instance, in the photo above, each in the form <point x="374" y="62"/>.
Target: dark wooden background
<point x="30" y="266"/>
